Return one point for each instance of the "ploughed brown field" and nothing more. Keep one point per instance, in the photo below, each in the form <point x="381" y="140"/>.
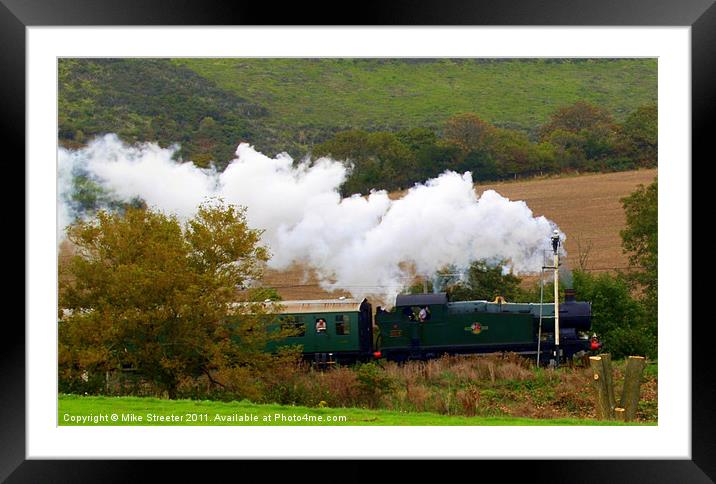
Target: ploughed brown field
<point x="587" y="209"/>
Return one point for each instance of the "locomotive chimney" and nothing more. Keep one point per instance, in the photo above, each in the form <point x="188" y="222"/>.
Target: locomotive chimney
<point x="570" y="295"/>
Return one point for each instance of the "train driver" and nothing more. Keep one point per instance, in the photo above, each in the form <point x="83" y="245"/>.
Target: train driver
<point x="424" y="314"/>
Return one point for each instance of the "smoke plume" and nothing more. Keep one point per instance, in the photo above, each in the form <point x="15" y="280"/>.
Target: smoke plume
<point x="365" y="245"/>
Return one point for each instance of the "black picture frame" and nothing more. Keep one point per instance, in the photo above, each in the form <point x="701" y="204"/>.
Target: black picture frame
<point x="16" y="15"/>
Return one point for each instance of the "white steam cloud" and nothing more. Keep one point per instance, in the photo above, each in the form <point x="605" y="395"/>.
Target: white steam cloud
<point x="364" y="245"/>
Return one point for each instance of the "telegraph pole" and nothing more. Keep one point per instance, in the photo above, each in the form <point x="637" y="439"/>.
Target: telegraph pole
<point x="555" y="249"/>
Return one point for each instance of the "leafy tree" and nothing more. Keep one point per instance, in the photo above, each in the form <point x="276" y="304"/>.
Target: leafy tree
<point x="147" y="292"/>
<point x="379" y="159"/>
<point x="467" y="130"/>
<point x="584" y="136"/>
<point x="640" y="241"/>
<point x="617" y="316"/>
<point x="263" y="294"/>
<point x="577" y="117"/>
<point x="396" y="159"/>
<point x="416" y="139"/>
<point x="432" y="160"/>
<point x="207" y="125"/>
<point x="486" y="281"/>
<point x="546" y="157"/>
<point x="345" y="145"/>
<point x="638" y="136"/>
<point x="373" y="382"/>
<point x="568" y="148"/>
<point x="482" y="165"/>
<point x="512" y="151"/>
<point x="88" y="195"/>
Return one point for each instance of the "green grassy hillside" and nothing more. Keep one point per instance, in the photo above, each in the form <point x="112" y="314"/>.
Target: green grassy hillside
<point x="403" y="93"/>
<point x="209" y="105"/>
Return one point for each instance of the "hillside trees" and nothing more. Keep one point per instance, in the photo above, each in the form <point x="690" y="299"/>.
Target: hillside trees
<point x="467" y="131"/>
<point x="577" y="117"/>
<point x="583" y="134"/>
<point x="144" y="291"/>
<point x="379" y="159"/>
<point x="638" y="136"/>
<point x="580" y="136"/>
<point x="512" y="152"/>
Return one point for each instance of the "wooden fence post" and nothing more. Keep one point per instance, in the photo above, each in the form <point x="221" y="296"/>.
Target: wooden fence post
<point x="632" y="386"/>
<point x="619" y="414"/>
<point x="607" y="362"/>
<point x="599" y="381"/>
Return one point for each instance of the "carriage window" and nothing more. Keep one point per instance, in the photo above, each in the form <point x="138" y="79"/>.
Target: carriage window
<point x="295" y="324"/>
<point x="343" y="324"/>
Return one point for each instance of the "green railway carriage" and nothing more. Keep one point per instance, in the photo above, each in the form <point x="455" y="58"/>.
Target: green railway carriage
<point x="335" y="330"/>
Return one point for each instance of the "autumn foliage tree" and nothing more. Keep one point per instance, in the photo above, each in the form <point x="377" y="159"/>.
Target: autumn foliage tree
<point x="145" y="291"/>
<point x="577" y="117"/>
<point x="467" y="130"/>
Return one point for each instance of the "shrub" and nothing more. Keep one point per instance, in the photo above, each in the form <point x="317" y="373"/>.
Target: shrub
<point x="373" y="382"/>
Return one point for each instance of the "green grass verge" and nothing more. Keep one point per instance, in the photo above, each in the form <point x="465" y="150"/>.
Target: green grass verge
<point x="86" y="410"/>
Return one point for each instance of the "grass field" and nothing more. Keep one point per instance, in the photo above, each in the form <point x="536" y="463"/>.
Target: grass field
<point x="393" y="93"/>
<point x="586" y="207"/>
<point x="85" y="410"/>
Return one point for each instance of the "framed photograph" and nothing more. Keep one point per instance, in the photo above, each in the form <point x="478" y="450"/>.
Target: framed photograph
<point x="351" y="143"/>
